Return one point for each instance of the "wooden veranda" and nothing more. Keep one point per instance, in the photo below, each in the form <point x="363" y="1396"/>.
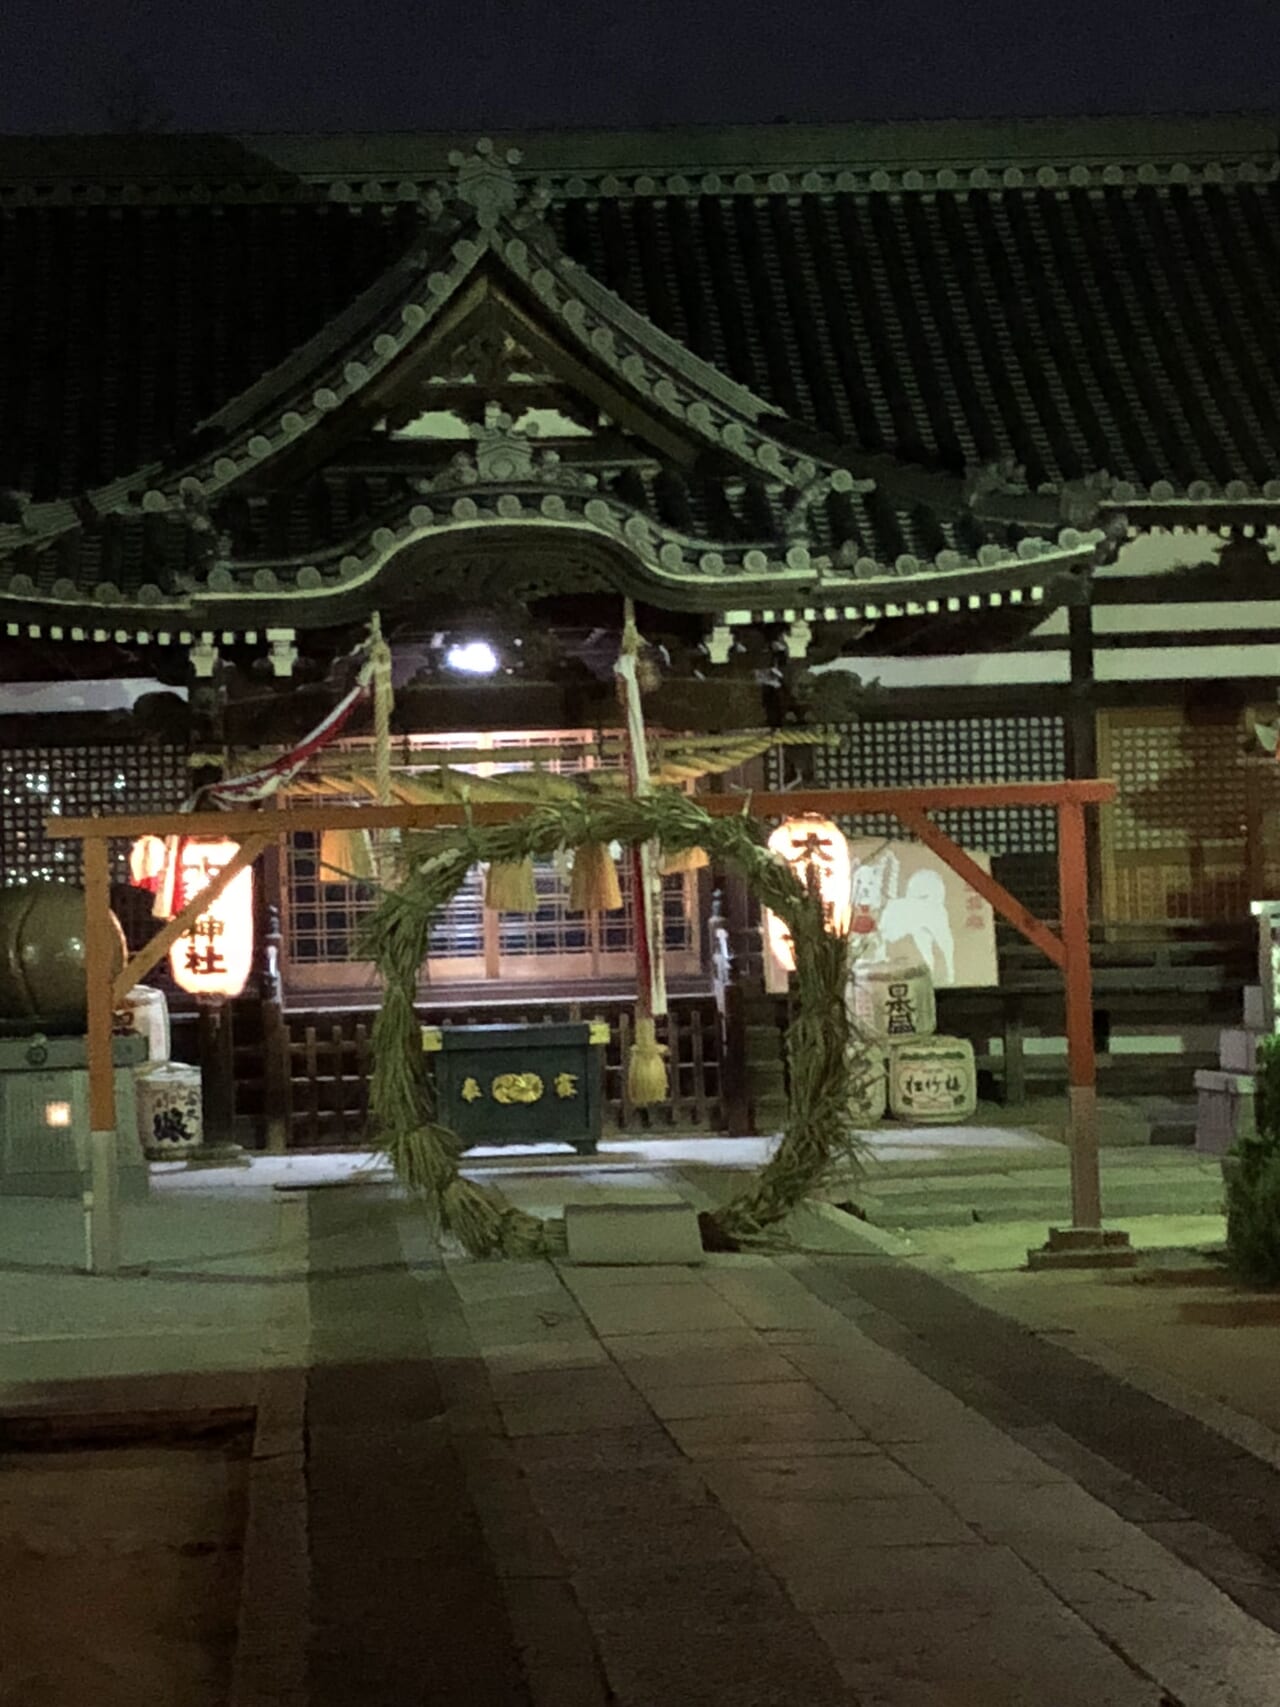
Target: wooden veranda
<point x="1067" y="947"/>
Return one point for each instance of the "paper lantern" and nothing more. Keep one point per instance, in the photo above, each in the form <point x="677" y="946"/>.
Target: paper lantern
<point x="818" y="852"/>
<point x="214" y="956"/>
<point x="146" y="863"/>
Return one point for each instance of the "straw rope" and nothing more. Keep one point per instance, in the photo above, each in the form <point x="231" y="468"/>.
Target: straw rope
<point x="825" y="1056"/>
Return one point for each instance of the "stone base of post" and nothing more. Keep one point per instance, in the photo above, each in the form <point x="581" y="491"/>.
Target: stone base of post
<point x="1084" y="1247"/>
<point x="102" y="1206"/>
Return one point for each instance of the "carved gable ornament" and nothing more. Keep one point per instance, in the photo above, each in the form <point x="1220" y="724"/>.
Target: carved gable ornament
<point x="503" y="454"/>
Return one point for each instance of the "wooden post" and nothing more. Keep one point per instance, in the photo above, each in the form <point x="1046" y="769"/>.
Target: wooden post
<point x="277" y="1058"/>
<point x="102" y="1198"/>
<point x="217" y="1073"/>
<point x="1082" y="728"/>
<point x="1085" y="1243"/>
<point x="1082" y="1066"/>
<point x="1015" y="1060"/>
<point x="1255" y="829"/>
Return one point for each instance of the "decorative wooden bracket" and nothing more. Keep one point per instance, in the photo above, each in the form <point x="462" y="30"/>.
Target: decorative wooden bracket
<point x="918" y="821"/>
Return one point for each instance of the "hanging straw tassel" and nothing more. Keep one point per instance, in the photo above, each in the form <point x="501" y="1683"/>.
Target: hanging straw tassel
<point x="383" y="706"/>
<point x="593" y="883"/>
<point x="346" y="854"/>
<point x="509" y="887"/>
<point x="685" y="859"/>
<point x="647" y="1068"/>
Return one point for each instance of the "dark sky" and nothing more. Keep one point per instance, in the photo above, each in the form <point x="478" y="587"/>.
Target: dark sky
<point x="428" y="64"/>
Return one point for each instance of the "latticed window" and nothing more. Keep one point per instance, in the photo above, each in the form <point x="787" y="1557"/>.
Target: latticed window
<point x="36" y="782"/>
<point x="468" y="941"/>
<point x="918" y="752"/>
<point x="1191" y="836"/>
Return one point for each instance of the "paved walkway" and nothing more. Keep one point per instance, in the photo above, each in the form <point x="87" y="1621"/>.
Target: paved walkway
<point x="765" y="1481"/>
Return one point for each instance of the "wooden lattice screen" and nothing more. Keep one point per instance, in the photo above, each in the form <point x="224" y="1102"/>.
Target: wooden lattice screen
<point x="914" y="752"/>
<point x="75" y="782"/>
<point x="1191" y="835"/>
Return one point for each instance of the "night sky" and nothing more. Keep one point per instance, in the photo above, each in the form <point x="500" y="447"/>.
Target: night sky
<point x="448" y="64"/>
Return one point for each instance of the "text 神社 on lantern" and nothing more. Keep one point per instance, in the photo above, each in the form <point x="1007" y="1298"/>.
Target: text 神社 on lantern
<point x="214" y="956"/>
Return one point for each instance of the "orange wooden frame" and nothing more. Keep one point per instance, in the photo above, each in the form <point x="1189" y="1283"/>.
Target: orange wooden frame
<point x="1067" y="948"/>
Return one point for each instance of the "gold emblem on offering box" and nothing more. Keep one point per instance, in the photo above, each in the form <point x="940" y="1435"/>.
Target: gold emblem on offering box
<point x="566" y="1084"/>
<point x="471" y="1091"/>
<point x="517" y="1087"/>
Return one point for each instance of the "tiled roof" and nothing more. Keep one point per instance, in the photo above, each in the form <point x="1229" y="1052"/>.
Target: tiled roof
<point x="122" y="328"/>
<point x="320" y="536"/>
<point x="915" y="301"/>
<point x="1133" y="329"/>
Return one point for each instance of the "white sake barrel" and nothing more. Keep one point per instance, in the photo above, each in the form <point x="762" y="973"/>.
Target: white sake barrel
<point x="869" y="1092"/>
<point x="933" y="1080"/>
<point x="170" y="1116"/>
<point x="148" y="1012"/>
<point x="893" y="1001"/>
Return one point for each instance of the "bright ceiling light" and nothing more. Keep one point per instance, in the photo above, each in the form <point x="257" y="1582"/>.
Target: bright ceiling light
<point x="473" y="657"/>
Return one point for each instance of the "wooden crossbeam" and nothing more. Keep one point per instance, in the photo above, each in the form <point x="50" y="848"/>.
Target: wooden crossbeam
<point x="793" y="803"/>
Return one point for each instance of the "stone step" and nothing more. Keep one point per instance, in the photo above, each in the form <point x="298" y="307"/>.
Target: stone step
<point x="1039" y="1198"/>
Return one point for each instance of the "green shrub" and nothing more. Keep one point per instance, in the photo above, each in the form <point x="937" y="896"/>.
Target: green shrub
<point x="1253" y="1182"/>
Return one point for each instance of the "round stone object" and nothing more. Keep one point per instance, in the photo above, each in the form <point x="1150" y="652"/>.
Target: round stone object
<point x="42" y="953"/>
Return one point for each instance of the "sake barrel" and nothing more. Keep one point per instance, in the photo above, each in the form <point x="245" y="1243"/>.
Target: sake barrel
<point x="170" y="1117"/>
<point x="933" y="1080"/>
<point x="869" y="1091"/>
<point x="147" y="1012"/>
<point x="892" y="1001"/>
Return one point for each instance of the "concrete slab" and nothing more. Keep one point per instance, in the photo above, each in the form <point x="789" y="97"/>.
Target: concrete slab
<point x="973" y="1659"/>
<point x="619" y="1233"/>
<point x="736" y="1399"/>
<point x="659" y="1309"/>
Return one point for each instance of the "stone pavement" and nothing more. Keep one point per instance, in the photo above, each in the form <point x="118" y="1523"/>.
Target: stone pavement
<point x="763" y="1481"/>
<point x="809" y="1493"/>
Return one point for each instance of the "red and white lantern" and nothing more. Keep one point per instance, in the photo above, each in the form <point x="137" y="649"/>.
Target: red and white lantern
<point x="214" y="955"/>
<point x="818" y="852"/>
<point x="147" y="863"/>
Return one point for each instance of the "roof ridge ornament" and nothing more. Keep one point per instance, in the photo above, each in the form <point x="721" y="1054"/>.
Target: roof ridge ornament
<point x="15" y="509"/>
<point x="1080" y="501"/>
<point x="484" y="181"/>
<point x="803" y="500"/>
<point x="1001" y="476"/>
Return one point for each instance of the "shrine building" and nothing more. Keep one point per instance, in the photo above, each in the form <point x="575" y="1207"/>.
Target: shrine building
<point x="955" y="442"/>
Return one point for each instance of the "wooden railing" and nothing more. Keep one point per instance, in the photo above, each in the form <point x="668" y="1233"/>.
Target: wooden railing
<point x="1189" y="979"/>
<point x="326" y="1060"/>
<point x="303" y="1075"/>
